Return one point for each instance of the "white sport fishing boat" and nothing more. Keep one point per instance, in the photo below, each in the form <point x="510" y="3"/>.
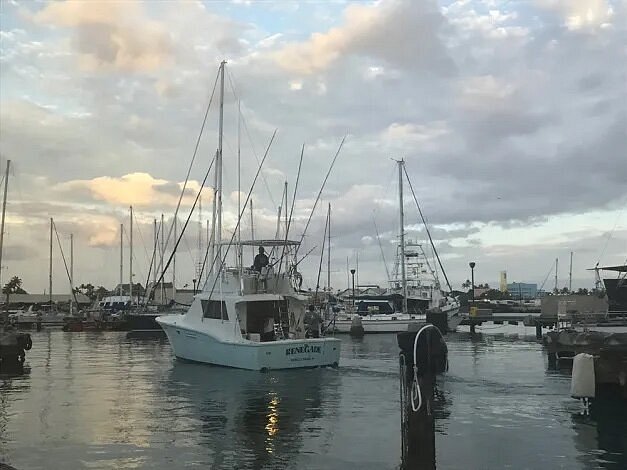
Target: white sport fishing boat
<point x="248" y="318"/>
<point x="415" y="294"/>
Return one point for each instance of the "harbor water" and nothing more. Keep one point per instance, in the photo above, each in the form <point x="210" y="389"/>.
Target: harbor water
<point x="101" y="401"/>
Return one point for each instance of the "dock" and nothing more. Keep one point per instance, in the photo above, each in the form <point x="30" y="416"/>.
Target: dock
<point x="477" y="317"/>
<point x="608" y="349"/>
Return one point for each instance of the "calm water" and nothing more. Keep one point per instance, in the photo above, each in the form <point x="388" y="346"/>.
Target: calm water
<point x="100" y="401"/>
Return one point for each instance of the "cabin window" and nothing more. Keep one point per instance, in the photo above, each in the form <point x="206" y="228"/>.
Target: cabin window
<point x="214" y="309"/>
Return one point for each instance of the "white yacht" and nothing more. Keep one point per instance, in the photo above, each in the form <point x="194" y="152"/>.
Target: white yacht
<point x="249" y="320"/>
<point x="415" y="294"/>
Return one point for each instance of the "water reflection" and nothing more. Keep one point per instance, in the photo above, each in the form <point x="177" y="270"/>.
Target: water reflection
<point x="605" y="430"/>
<point x="252" y="419"/>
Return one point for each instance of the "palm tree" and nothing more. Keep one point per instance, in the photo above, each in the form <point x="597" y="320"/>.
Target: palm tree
<point x="14" y="286"/>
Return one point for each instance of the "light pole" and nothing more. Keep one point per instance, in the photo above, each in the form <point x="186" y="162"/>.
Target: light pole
<point x="472" y="280"/>
<point x="353" y="275"/>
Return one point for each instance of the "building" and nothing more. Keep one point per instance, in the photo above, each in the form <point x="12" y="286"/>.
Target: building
<point x="479" y="291"/>
<point x="503" y="281"/>
<point x="522" y="290"/>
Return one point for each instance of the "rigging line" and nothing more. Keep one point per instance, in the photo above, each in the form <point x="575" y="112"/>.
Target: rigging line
<point x="239" y="219"/>
<point x="306" y="255"/>
<point x="607" y="240"/>
<point x="191" y="213"/>
<point x="376" y="229"/>
<point x="65" y="264"/>
<point x="545" y="279"/>
<point x="320" y="192"/>
<point x="252" y="145"/>
<point x="236" y="96"/>
<point x="191" y="164"/>
<point x="135" y="258"/>
<point x="141" y="237"/>
<point x="324" y="239"/>
<point x="411" y="187"/>
<point x="289" y="221"/>
<point x="189" y="250"/>
<point x="153" y="263"/>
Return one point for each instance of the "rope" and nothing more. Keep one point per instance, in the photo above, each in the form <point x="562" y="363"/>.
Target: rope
<point x="416" y="394"/>
<point x="427" y="229"/>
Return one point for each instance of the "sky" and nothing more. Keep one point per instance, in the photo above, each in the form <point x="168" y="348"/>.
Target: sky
<point x="511" y="117"/>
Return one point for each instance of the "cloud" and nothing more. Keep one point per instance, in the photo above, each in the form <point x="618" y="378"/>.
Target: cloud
<point x="400" y="32"/>
<point x="581" y="14"/>
<point x="111" y="35"/>
<point x="137" y="189"/>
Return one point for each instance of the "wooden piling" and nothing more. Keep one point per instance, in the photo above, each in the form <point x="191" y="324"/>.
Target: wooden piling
<point x="418" y="427"/>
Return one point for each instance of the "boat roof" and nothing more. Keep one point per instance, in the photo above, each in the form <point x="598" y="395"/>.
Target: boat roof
<point x="268" y="242"/>
<point x="259" y="298"/>
<point x="620" y="269"/>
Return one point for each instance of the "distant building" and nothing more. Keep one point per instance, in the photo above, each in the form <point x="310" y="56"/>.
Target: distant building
<point x="479" y="291"/>
<point x="522" y="290"/>
<point x="503" y="282"/>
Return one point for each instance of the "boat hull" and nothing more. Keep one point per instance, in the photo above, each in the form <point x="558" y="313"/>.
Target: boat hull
<point x="283" y="354"/>
<point x="446" y="321"/>
<point x="377" y="326"/>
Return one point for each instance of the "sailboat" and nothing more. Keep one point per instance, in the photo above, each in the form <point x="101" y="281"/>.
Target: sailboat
<point x="415" y="293"/>
<point x="247" y="317"/>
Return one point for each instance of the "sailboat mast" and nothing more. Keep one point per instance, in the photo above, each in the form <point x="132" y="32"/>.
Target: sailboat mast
<point x="287" y="267"/>
<point x="329" y="259"/>
<point x="329" y="252"/>
<point x="219" y="164"/>
<point x="570" y="274"/>
<point x="200" y="257"/>
<point x="154" y="254"/>
<point x="252" y="225"/>
<point x="121" y="258"/>
<point x="4" y="210"/>
<point x="71" y="273"/>
<point x="130" y="259"/>
<point x="174" y="259"/>
<point x="556" y="261"/>
<point x="402" y="234"/>
<point x="162" y="230"/>
<point x="50" y="270"/>
<point x="240" y="261"/>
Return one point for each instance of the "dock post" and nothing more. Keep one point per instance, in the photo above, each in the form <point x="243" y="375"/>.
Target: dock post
<point x="417" y="390"/>
<point x="538" y="330"/>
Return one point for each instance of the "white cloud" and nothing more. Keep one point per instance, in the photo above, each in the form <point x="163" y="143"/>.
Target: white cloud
<point x="581" y="14"/>
<point x="401" y="32"/>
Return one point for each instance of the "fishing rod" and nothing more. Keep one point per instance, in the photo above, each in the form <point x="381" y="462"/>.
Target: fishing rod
<point x="191" y="212"/>
<point x="239" y="219"/>
<point x="324" y="238"/>
<point x="289" y="222"/>
<point x="320" y="193"/>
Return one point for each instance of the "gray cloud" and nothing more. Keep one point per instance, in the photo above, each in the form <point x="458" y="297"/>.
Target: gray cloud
<point x="505" y="120"/>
